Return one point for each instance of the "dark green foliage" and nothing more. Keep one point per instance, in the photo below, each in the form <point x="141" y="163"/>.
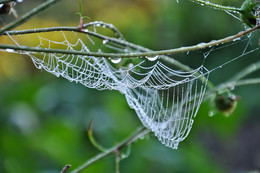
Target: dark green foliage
<point x="248" y="12"/>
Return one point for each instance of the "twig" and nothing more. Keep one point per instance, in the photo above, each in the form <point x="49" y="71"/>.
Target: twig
<point x="128" y="55"/>
<point x="66" y="168"/>
<point x="6" y="1"/>
<point x="217" y="6"/>
<point x="231" y="84"/>
<point x="28" y="15"/>
<point x="92" y="139"/>
<point x="134" y="137"/>
<point x="117" y="162"/>
<point x="252" y="81"/>
<point x="250" y="69"/>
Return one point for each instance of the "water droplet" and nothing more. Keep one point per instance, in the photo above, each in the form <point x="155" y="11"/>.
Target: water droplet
<point x="131" y="65"/>
<point x="104" y="26"/>
<point x="237" y="39"/>
<point x="9" y="50"/>
<point x="105" y="41"/>
<point x="115" y="60"/>
<point x="211" y="113"/>
<point x="40" y="67"/>
<point x="201" y="45"/>
<point x="153" y="58"/>
<point x="19" y="0"/>
<point x="86" y="30"/>
<point x="231" y="87"/>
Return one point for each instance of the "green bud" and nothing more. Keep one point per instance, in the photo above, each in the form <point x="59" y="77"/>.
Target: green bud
<point x="226" y="102"/>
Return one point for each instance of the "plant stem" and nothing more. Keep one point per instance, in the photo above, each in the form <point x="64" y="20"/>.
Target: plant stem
<point x="231" y="84"/>
<point x="92" y="139"/>
<point x="65" y="169"/>
<point x="28" y="15"/>
<point x="250" y="69"/>
<point x="252" y="81"/>
<point x="134" y="137"/>
<point x="117" y="162"/>
<point x="6" y="1"/>
<point x="217" y="6"/>
<point x="146" y="53"/>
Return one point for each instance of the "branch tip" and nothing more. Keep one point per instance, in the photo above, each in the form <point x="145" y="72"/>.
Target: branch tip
<point x="65" y="168"/>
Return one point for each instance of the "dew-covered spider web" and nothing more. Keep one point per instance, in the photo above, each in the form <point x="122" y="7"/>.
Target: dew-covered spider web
<point x="166" y="95"/>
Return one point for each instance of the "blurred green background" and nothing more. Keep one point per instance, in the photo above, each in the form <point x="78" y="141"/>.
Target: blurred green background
<point x="44" y="119"/>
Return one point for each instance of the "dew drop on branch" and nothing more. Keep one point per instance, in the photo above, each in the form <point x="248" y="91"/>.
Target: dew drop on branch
<point x="9" y="50"/>
<point x="115" y="60"/>
<point x="201" y="45"/>
<point x="211" y="114"/>
<point x="153" y="58"/>
<point x="237" y="39"/>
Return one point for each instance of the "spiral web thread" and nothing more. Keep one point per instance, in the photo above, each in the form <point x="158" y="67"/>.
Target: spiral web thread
<point x="165" y="100"/>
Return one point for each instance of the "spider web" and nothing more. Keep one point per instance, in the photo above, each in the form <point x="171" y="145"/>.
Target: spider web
<point x="165" y="97"/>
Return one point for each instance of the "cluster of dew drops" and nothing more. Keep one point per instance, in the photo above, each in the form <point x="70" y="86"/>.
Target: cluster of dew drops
<point x="117" y="60"/>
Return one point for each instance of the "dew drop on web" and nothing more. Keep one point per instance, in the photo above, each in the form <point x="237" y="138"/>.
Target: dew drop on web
<point x="105" y="41"/>
<point x="211" y="113"/>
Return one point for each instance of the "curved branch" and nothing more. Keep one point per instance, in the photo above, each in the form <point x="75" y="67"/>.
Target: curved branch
<point x="248" y="70"/>
<point x="28" y="15"/>
<point x="92" y="139"/>
<point x="252" y="81"/>
<point x="146" y="53"/>
<point x="217" y="6"/>
<point x="5" y="1"/>
<point x="132" y="138"/>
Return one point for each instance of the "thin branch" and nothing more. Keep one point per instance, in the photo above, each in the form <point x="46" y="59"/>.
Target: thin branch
<point x="131" y="55"/>
<point x="28" y="15"/>
<point x="6" y="1"/>
<point x="134" y="137"/>
<point x="92" y="139"/>
<point x="231" y="85"/>
<point x="252" y="81"/>
<point x="217" y="6"/>
<point x="117" y="161"/>
<point x="250" y="69"/>
<point x="74" y="29"/>
<point x="65" y="169"/>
